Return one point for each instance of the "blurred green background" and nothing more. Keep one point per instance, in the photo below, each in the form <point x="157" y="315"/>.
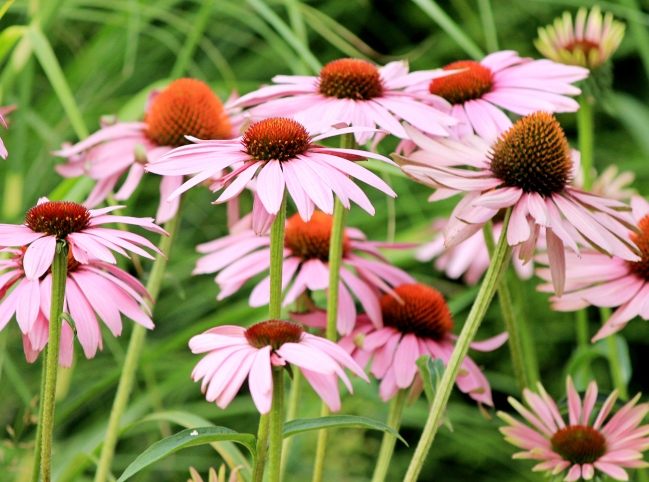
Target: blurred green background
<point x="67" y="63"/>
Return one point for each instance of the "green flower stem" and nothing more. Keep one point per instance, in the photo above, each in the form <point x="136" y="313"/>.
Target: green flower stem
<point x="496" y="269"/>
<point x="276" y="262"/>
<point x="59" y="276"/>
<point x="262" y="448"/>
<point x="581" y="318"/>
<point x="488" y="25"/>
<point x="276" y="425"/>
<point x="133" y="355"/>
<point x="586" y="136"/>
<point x="291" y="414"/>
<point x="335" y="260"/>
<point x="389" y="441"/>
<point x="36" y="470"/>
<point x="523" y="357"/>
<point x="614" y="359"/>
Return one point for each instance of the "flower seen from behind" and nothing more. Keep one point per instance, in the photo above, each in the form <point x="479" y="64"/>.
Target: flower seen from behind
<point x="51" y="221"/>
<point x="234" y="353"/>
<point x="417" y="322"/>
<point x="589" y="42"/>
<point x="599" y="280"/>
<point x="503" y="80"/>
<point x="354" y="92"/>
<point x="92" y="289"/>
<point x="529" y="168"/>
<point x="281" y="154"/>
<point x="240" y="257"/>
<point x="589" y="444"/>
<point x="184" y="107"/>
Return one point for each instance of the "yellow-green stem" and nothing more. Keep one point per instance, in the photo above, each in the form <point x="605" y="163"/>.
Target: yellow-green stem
<point x="59" y="276"/>
<point x="335" y="260"/>
<point x="496" y="269"/>
<point x="614" y="359"/>
<point x="135" y="345"/>
<point x="276" y="425"/>
<point x="389" y="440"/>
<point x="262" y="448"/>
<point x="586" y="136"/>
<point x="291" y="414"/>
<point x="36" y="470"/>
<point x="276" y="262"/>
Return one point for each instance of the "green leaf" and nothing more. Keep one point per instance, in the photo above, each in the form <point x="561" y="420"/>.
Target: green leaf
<point x="187" y="438"/>
<point x="301" y="425"/>
<point x="9" y="37"/>
<point x="431" y="371"/>
<point x="50" y="64"/>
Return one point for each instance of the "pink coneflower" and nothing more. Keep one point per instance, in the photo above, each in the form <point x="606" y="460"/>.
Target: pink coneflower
<point x="95" y="288"/>
<point x="281" y="153"/>
<point x="530" y="168"/>
<point x="417" y="323"/>
<point x="357" y="93"/>
<point x="580" y="450"/>
<point x="469" y="259"/>
<point x="588" y="43"/>
<point x="242" y="256"/>
<point x="505" y="80"/>
<point x="185" y="107"/>
<point x="237" y="353"/>
<point x="599" y="280"/>
<point x="50" y="221"/>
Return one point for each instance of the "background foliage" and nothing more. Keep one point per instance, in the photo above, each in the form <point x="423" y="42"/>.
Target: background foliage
<point x="66" y="63"/>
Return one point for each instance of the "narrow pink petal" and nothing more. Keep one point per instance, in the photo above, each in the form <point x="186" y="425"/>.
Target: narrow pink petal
<point x="405" y="357"/>
<point x="490" y="344"/>
<point x="612" y="470"/>
<point x="167" y="209"/>
<point x="233" y="386"/>
<point x="518" y="229"/>
<point x="557" y="257"/>
<point x="84" y="318"/>
<point x="28" y="305"/>
<point x="262" y="220"/>
<point x="574" y="403"/>
<point x="271" y="186"/>
<point x="39" y="256"/>
<point x="261" y="380"/>
<point x="326" y="386"/>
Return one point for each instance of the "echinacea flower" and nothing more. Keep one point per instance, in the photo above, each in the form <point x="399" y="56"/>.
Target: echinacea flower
<point x="506" y="81"/>
<point x="282" y="155"/>
<point x="469" y="259"/>
<point x="92" y="289"/>
<point x="587" y="43"/>
<point x="581" y="448"/>
<point x="416" y="322"/>
<point x="529" y="168"/>
<point x="242" y="256"/>
<point x="236" y="353"/>
<point x="184" y="107"/>
<point x="355" y="92"/>
<point x="599" y="280"/>
<point x="50" y="221"/>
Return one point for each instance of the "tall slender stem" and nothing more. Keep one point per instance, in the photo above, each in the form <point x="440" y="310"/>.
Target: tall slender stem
<point x="488" y="25"/>
<point x="614" y="359"/>
<point x="525" y="369"/>
<point x="262" y="448"/>
<point x="276" y="262"/>
<point x="581" y="318"/>
<point x="135" y="345"/>
<point x="335" y="260"/>
<point x="59" y="276"/>
<point x="291" y="414"/>
<point x="389" y="440"/>
<point x="498" y="264"/>
<point x="586" y="137"/>
<point x="36" y="470"/>
<point x="276" y="425"/>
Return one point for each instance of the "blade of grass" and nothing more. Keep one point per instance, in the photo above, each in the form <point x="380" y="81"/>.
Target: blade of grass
<point x="446" y="23"/>
<point x="200" y="23"/>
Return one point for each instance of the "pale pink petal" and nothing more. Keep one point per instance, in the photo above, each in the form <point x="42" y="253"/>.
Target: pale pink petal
<point x="39" y="256"/>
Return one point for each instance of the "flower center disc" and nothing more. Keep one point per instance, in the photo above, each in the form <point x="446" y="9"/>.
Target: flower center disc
<point x="186" y="107"/>
<point x="273" y="333"/>
<point x="311" y="239"/>
<point x="350" y="79"/>
<point x="276" y="138"/>
<point x="424" y="311"/>
<point x="533" y="155"/>
<point x="57" y="218"/>
<point x="641" y="268"/>
<point x="579" y="444"/>
<point x="472" y="83"/>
